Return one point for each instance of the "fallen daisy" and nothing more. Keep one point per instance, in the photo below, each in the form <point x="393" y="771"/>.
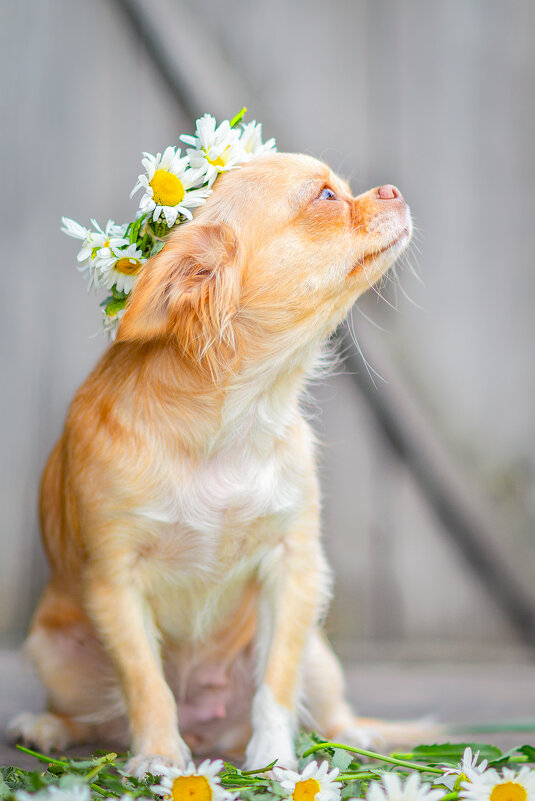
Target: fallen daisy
<point x="75" y="792"/>
<point x="491" y="786"/>
<point x="192" y="784"/>
<point x="315" y="783"/>
<point x="466" y="769"/>
<point x="391" y="788"/>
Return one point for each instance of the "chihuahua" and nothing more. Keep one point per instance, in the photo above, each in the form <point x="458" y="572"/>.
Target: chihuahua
<point x="180" y="510"/>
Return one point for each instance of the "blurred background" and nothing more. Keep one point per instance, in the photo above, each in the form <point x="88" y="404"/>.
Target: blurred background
<point x="428" y="471"/>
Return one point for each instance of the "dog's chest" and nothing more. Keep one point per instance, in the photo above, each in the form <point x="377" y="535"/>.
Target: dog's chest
<point x="235" y="490"/>
<point x="217" y="525"/>
<point x="224" y="507"/>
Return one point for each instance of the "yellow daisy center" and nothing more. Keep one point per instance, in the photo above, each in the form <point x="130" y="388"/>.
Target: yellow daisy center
<point x="127" y="266"/>
<point x="191" y="788"/>
<point x="95" y="250"/>
<point x="307" y="790"/>
<point x="167" y="189"/>
<point x="508" y="791"/>
<point x="219" y="161"/>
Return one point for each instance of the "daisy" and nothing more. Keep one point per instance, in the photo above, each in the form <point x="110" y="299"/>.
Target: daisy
<point x="510" y="786"/>
<point x="251" y="140"/>
<point x="97" y="245"/>
<point x="214" y="149"/>
<point x="315" y="783"/>
<point x="170" y="186"/>
<point x="76" y="792"/>
<point x="121" y="270"/>
<point x="467" y="768"/>
<point x="392" y="789"/>
<point x="192" y="784"/>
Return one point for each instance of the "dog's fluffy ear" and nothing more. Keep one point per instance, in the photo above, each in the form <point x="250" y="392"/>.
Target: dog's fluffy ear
<point x="190" y="290"/>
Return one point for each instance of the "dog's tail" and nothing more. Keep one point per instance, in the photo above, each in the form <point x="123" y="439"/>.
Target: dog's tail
<point x="374" y="734"/>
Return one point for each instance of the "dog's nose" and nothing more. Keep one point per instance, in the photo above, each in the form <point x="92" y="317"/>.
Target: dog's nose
<point x="389" y="192"/>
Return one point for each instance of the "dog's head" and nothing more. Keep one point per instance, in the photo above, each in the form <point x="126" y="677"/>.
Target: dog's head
<point x="276" y="256"/>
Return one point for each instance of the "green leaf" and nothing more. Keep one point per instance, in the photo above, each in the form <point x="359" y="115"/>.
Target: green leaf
<point x="157" y="246"/>
<point x="5" y="789"/>
<point x="352" y="789"/>
<point x="505" y="758"/>
<point x="341" y="759"/>
<point x="528" y="751"/>
<point x="112" y="306"/>
<point x="452" y="752"/>
<point x="134" y="228"/>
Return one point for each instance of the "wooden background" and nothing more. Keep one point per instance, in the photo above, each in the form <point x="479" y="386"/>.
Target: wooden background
<point x="436" y="96"/>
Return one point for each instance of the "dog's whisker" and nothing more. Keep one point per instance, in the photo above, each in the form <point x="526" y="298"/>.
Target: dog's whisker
<point x="368" y="319"/>
<point x="369" y="369"/>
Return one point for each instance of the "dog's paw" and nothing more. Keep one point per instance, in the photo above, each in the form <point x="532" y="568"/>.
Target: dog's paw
<point x="155" y="764"/>
<point x="265" y="746"/>
<point x="46" y="732"/>
<point x="273" y="733"/>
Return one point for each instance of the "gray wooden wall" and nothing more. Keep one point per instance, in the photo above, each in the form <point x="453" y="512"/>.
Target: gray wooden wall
<point x="436" y="96"/>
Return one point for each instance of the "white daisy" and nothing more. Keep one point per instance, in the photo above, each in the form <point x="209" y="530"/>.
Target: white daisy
<point x="509" y="786"/>
<point x="97" y="245"/>
<point x="391" y="788"/>
<point x="192" y="784"/>
<point x="467" y="768"/>
<point x="170" y="186"/>
<point x="315" y="783"/>
<point x="214" y="149"/>
<point x="74" y="229"/>
<point x="76" y="792"/>
<point x="121" y="270"/>
<point x="251" y="140"/>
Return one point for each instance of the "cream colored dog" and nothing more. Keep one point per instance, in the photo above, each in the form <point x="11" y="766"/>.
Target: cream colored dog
<point x="180" y="510"/>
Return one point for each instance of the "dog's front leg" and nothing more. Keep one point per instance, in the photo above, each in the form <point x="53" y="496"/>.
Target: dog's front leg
<point x="125" y="624"/>
<point x="294" y="588"/>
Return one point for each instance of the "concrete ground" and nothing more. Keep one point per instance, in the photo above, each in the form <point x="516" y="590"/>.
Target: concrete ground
<point x="475" y="693"/>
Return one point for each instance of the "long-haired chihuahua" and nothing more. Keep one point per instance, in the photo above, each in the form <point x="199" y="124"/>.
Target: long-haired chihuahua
<point x="180" y="510"/>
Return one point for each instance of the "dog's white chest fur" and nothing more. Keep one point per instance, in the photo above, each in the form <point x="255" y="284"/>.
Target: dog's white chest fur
<point x="215" y="521"/>
<point x="256" y="472"/>
<point x="232" y="488"/>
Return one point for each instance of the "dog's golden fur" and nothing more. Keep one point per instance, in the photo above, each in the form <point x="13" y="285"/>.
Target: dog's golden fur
<point x="180" y="509"/>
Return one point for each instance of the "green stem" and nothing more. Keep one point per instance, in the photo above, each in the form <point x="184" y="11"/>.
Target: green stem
<point x="42" y="757"/>
<point x="373" y="755"/>
<point x="260" y="770"/>
<point x="235" y="120"/>
<point x="103" y="791"/>
<point x="235" y="786"/>
<point x="350" y="777"/>
<point x="518" y="758"/>
<point x="102" y="763"/>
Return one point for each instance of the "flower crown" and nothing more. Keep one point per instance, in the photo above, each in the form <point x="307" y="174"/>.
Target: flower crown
<point x="173" y="185"/>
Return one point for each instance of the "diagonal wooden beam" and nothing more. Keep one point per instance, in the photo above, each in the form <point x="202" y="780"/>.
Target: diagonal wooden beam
<point x="200" y="79"/>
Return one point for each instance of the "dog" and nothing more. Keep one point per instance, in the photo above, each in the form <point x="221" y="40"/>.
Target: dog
<point x="180" y="507"/>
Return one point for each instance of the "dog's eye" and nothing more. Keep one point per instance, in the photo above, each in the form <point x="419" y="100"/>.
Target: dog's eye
<point x="327" y="194"/>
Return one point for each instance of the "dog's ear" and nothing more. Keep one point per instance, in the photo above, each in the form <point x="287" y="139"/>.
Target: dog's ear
<point x="190" y="290"/>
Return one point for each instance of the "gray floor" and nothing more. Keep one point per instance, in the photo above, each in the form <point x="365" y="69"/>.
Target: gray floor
<point x="455" y="693"/>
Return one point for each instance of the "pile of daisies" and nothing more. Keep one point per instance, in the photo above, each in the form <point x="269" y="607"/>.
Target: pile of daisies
<point x="433" y="773"/>
<point x="172" y="186"/>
